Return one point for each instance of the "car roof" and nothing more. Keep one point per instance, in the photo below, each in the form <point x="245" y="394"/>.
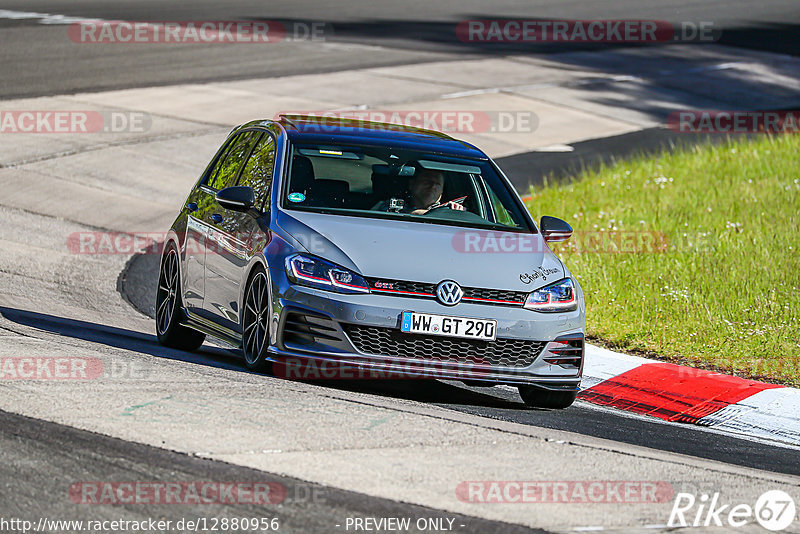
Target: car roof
<point x="337" y="130"/>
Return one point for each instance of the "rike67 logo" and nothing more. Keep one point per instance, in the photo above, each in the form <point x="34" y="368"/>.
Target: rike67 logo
<point x="774" y="510"/>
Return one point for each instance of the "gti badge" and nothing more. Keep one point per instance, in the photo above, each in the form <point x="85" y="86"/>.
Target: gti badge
<point x="449" y="293"/>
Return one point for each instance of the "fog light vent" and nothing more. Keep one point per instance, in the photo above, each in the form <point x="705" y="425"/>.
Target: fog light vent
<point x="305" y="329"/>
<point x="566" y="352"/>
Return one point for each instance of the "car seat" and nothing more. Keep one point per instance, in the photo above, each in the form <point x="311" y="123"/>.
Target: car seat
<point x="302" y="177"/>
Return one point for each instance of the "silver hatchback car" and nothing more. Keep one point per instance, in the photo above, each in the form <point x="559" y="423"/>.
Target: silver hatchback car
<point x="335" y="248"/>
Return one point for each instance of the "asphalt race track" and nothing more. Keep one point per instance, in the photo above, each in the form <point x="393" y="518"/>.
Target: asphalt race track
<point x="504" y="403"/>
<point x="307" y="507"/>
<point x="360" y="34"/>
<point x="338" y="450"/>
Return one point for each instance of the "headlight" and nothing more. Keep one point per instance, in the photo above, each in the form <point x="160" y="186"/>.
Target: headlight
<point x="316" y="272"/>
<point x="557" y="297"/>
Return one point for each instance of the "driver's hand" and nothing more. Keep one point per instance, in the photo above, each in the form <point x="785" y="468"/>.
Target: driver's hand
<point x="454" y="206"/>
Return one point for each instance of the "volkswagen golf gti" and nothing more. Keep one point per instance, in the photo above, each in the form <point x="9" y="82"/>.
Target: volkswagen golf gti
<point x="381" y="247"/>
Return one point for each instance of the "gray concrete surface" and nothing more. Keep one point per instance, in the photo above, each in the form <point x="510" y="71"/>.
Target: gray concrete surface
<point x="55" y="302"/>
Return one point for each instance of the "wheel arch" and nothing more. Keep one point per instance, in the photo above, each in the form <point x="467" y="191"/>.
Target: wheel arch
<point x="171" y="238"/>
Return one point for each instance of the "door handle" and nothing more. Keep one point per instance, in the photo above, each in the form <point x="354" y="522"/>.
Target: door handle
<point x="191" y="207"/>
<point x="217" y="218"/>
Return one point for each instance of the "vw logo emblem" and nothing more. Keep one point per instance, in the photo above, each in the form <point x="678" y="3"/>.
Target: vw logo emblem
<point x="449" y="293"/>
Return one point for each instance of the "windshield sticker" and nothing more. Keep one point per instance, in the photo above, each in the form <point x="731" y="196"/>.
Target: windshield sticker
<point x="541" y="272"/>
<point x="296" y="197"/>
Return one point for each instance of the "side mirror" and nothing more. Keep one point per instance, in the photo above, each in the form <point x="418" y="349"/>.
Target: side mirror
<point x="555" y="230"/>
<point x="237" y="198"/>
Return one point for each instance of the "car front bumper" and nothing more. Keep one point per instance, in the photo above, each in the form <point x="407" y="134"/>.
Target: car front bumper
<point x="317" y="328"/>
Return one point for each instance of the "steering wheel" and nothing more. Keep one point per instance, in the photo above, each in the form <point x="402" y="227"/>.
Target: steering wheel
<point x="448" y="204"/>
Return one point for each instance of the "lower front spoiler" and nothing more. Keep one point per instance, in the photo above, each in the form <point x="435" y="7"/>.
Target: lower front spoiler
<point x="329" y="366"/>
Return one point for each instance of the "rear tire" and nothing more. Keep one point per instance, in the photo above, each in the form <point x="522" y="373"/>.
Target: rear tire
<point x="169" y="306"/>
<point x="256" y="314"/>
<point x="545" y="398"/>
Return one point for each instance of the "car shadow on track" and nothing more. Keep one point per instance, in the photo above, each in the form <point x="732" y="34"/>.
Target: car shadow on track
<point x="426" y="391"/>
<point x="119" y="338"/>
<point x="493" y="403"/>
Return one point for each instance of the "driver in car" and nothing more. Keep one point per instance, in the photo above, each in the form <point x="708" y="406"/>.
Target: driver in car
<point x="424" y="194"/>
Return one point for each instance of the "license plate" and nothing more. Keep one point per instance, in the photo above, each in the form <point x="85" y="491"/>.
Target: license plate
<point x="446" y="325"/>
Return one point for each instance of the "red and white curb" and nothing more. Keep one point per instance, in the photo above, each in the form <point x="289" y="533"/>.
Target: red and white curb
<point x="687" y="395"/>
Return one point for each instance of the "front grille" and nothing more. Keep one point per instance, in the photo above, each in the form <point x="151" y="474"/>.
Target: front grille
<point x="391" y="342"/>
<point x="517" y="297"/>
<point x="405" y="288"/>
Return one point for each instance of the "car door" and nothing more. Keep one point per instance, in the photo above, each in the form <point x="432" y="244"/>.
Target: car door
<point x="195" y="243"/>
<point x="232" y="236"/>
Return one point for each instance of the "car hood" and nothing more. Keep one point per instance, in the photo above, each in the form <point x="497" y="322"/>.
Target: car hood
<point x="420" y="252"/>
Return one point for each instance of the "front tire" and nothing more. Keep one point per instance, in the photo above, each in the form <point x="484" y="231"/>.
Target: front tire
<point x="256" y="314"/>
<point x="169" y="307"/>
<point x="546" y="398"/>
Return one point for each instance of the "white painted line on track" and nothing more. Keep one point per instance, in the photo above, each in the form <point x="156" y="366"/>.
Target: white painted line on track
<point x="767" y="413"/>
<point x="554" y="148"/>
<point x="44" y="18"/>
<point x="745" y="429"/>
<point x="473" y="92"/>
<point x="602" y="364"/>
<point x="711" y="430"/>
<point x="760" y="438"/>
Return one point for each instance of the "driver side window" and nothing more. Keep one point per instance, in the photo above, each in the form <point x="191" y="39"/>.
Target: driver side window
<point x="258" y="170"/>
<point x="227" y="167"/>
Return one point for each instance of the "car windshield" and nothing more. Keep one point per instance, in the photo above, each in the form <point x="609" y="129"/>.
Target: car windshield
<point x="383" y="182"/>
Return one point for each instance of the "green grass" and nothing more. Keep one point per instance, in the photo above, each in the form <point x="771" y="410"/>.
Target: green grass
<point x="721" y="290"/>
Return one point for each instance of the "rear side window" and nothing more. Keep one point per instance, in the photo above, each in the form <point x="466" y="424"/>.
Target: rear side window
<point x="227" y="168"/>
<point x="257" y="172"/>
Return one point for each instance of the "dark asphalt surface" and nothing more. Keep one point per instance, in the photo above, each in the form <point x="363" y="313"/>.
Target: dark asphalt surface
<point x="40" y="59"/>
<point x="496" y="403"/>
<point x="531" y="169"/>
<point x="582" y="418"/>
<point x="40" y="461"/>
